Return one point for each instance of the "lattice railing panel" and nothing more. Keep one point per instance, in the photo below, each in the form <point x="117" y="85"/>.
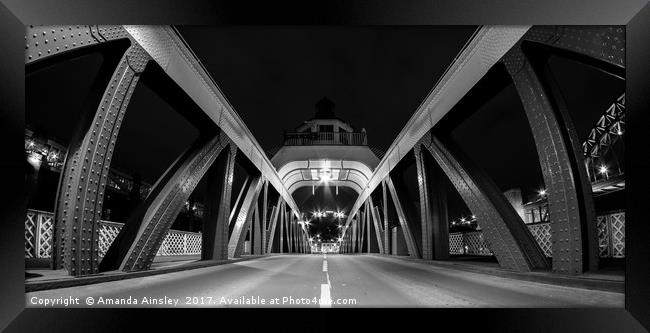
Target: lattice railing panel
<point x="30" y="234"/>
<point x="178" y="243"/>
<point x="617" y="224"/>
<point x="39" y="229"/>
<point x="193" y="243"/>
<point x="107" y="233"/>
<point x="604" y="250"/>
<point x="472" y="243"/>
<point x="456" y="243"/>
<point x="611" y="235"/>
<point x="45" y="235"/>
<point x="475" y="244"/>
<point x="542" y="234"/>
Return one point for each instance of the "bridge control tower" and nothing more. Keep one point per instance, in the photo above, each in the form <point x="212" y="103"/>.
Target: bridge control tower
<point x="325" y="149"/>
<point x="325" y="164"/>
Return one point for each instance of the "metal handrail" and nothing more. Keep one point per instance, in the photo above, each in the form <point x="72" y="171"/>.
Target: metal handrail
<point x="325" y="138"/>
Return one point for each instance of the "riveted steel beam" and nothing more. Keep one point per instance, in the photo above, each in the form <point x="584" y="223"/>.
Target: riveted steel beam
<point x="256" y="235"/>
<point x="244" y="218"/>
<point x="604" y="43"/>
<point x="219" y="191"/>
<point x="354" y="235"/>
<point x="509" y="239"/>
<point x="81" y="192"/>
<point x="387" y="235"/>
<point x="401" y="215"/>
<point x="171" y="52"/>
<point x="161" y="213"/>
<point x="360" y="225"/>
<point x="482" y="51"/>
<point x="368" y="226"/>
<point x="377" y="223"/>
<point x="290" y="233"/>
<point x="571" y="208"/>
<point x="433" y="208"/>
<point x="44" y="42"/>
<point x="275" y="212"/>
<point x="283" y="214"/>
<point x="265" y="205"/>
<point x="426" y="215"/>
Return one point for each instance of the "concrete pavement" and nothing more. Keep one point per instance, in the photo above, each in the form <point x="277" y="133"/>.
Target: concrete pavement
<point x="315" y="280"/>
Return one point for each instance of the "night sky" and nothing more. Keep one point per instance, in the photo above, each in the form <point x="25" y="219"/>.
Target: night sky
<point x="376" y="76"/>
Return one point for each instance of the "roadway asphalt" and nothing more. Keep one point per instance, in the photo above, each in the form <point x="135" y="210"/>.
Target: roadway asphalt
<point x="323" y="281"/>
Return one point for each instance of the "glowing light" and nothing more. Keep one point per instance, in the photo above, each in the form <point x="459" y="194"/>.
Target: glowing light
<point x="602" y="169"/>
<point x="462" y="219"/>
<point x="34" y="160"/>
<point x="474" y="217"/>
<point x="325" y="175"/>
<point x="542" y="192"/>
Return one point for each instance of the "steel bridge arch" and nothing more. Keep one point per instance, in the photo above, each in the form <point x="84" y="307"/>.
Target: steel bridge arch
<point x="84" y="177"/>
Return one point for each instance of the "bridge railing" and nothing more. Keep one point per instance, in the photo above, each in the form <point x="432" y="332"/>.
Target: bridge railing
<point x="325" y="138"/>
<point x="39" y="233"/>
<point x="611" y="238"/>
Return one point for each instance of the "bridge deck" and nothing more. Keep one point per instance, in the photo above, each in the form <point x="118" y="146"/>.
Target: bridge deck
<point x="365" y="280"/>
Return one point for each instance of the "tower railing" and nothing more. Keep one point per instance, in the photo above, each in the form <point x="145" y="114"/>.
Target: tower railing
<point x="325" y="138"/>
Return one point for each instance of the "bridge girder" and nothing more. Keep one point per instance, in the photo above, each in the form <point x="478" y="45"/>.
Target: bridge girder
<point x="80" y="195"/>
<point x="483" y="50"/>
<point x="575" y="246"/>
<point x="84" y="177"/>
<point x="215" y="224"/>
<point x="509" y="239"/>
<point x="244" y="217"/>
<point x="569" y="191"/>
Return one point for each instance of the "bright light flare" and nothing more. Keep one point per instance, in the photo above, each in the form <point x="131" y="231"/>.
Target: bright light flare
<point x="602" y="169"/>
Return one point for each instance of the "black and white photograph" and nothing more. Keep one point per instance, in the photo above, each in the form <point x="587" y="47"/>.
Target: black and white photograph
<point x="427" y="166"/>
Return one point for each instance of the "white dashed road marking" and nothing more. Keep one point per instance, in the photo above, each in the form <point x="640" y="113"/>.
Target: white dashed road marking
<point x="325" y="297"/>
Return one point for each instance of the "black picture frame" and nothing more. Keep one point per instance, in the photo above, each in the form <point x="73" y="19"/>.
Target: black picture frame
<point x="633" y="14"/>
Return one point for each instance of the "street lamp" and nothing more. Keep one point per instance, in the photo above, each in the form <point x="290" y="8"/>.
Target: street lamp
<point x="603" y="170"/>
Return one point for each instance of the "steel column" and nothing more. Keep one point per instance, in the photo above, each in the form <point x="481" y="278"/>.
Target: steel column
<point x="275" y="212"/>
<point x="368" y="216"/>
<point x="215" y="223"/>
<point x="377" y="224"/>
<point x="387" y="232"/>
<point x="570" y="202"/>
<point x="360" y="232"/>
<point x="81" y="192"/>
<point x="290" y="234"/>
<point x="244" y="217"/>
<point x="256" y="235"/>
<point x="433" y="209"/>
<point x="408" y="235"/>
<point x="509" y="239"/>
<point x="265" y="206"/>
<point x="426" y="218"/>
<point x="282" y="217"/>
<point x="144" y="239"/>
<point x="354" y="234"/>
